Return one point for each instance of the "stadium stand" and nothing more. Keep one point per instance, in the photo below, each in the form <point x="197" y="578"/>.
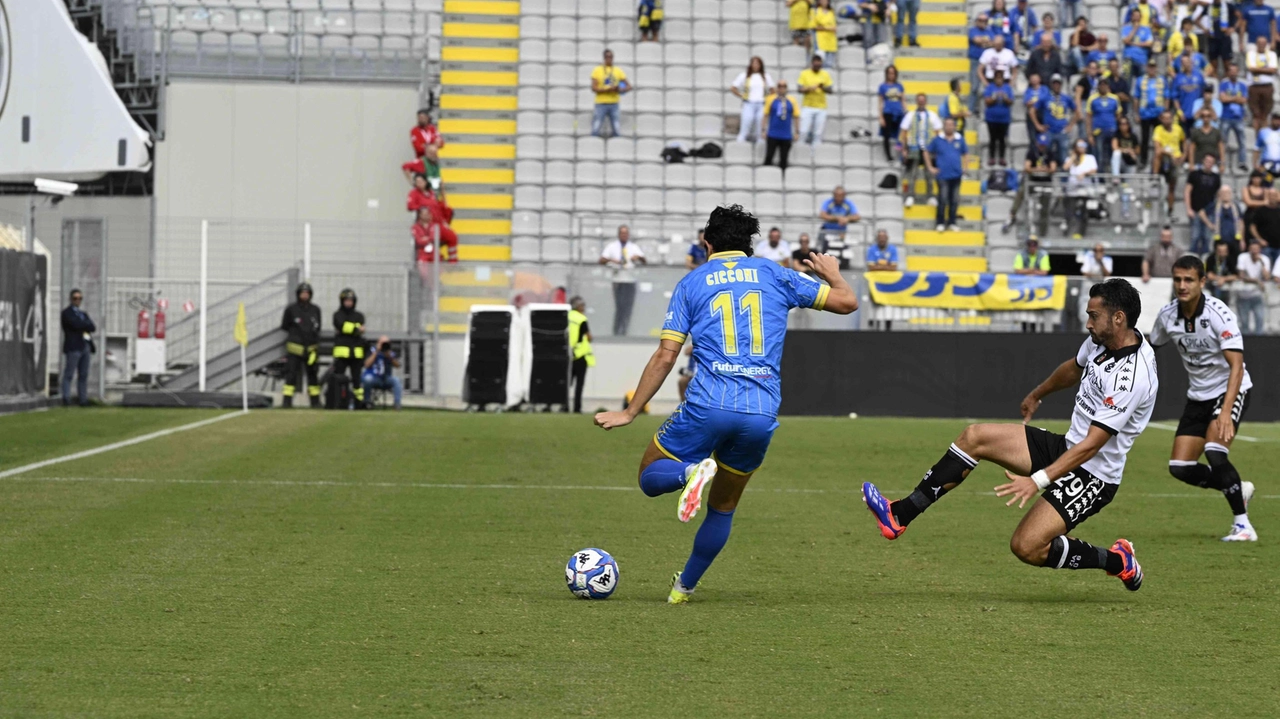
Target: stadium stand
<point x="571" y="185"/>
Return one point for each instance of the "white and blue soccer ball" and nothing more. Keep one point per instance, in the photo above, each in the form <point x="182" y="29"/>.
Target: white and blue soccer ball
<point x="591" y="574"/>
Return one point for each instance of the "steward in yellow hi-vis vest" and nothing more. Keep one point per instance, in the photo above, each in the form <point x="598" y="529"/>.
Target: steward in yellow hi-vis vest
<point x="580" y="346"/>
<point x="348" y="342"/>
<point x="302" y="322"/>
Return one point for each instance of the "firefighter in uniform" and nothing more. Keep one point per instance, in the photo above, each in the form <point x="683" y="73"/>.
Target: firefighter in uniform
<point x="348" y="342"/>
<point x="302" y="322"/>
<point x="580" y="344"/>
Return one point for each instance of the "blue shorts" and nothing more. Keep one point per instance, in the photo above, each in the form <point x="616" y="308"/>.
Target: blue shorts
<point x="737" y="441"/>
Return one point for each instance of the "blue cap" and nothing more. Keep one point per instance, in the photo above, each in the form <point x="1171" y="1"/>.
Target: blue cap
<point x="1042" y="138"/>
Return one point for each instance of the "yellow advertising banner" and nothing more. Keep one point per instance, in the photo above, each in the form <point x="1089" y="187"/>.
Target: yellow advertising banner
<point x="968" y="290"/>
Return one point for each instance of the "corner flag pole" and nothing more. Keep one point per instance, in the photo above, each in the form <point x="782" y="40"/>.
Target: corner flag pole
<point x="242" y="339"/>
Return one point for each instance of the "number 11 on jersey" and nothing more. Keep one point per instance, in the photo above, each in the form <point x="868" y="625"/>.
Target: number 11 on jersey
<point x="748" y="304"/>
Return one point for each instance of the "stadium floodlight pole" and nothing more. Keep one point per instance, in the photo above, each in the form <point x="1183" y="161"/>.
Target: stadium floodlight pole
<point x="204" y="298"/>
<point x="306" y="252"/>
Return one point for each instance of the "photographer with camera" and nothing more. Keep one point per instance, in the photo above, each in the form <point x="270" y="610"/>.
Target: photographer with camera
<point x="378" y="370"/>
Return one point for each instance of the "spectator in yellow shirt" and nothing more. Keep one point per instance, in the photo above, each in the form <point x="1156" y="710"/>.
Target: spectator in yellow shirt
<point x="1179" y="39"/>
<point x="823" y="19"/>
<point x="1168" y="139"/>
<point x="801" y="22"/>
<point x="814" y="85"/>
<point x="608" y="83"/>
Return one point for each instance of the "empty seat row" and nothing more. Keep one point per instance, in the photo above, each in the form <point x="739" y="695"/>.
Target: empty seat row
<point x="701" y="31"/>
<point x="761" y="10"/>
<point x="213" y="42"/>
<point x="701" y="175"/>
<point x="370" y="5"/>
<point x="670" y="200"/>
<point x="284" y="21"/>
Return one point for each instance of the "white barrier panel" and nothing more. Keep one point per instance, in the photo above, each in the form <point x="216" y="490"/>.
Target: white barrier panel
<point x="60" y="116"/>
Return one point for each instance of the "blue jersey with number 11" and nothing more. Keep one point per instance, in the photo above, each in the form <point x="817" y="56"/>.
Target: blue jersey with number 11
<point x="735" y="309"/>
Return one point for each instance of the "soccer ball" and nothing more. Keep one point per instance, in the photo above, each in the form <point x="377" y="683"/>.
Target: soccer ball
<point x="591" y="574"/>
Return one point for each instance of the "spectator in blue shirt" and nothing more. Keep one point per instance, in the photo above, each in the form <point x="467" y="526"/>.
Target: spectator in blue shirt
<point x="1048" y="26"/>
<point x="882" y="256"/>
<point x="838" y="211"/>
<point x="697" y="255"/>
<point x="980" y="36"/>
<point x="1102" y="120"/>
<point x="1138" y="40"/>
<point x="945" y="160"/>
<point x="1208" y="99"/>
<point x="891" y="94"/>
<point x="1151" y="92"/>
<point x="77" y="349"/>
<point x="783" y="124"/>
<point x="1100" y="53"/>
<point x="1257" y="19"/>
<point x="1188" y="86"/>
<point x="1056" y="115"/>
<point x="1035" y="92"/>
<point x="1024" y="23"/>
<point x="378" y="371"/>
<point x="1002" y="22"/>
<point x="999" y="101"/>
<point x="1234" y="95"/>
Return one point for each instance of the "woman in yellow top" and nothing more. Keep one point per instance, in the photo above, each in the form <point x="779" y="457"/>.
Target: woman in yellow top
<point x="823" y="19"/>
<point x="801" y="22"/>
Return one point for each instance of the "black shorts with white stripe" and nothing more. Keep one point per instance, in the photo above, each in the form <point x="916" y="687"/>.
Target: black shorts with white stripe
<point x="1197" y="415"/>
<point x="1077" y="495"/>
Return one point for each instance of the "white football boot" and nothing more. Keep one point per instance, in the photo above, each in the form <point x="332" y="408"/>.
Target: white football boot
<point x="696" y="477"/>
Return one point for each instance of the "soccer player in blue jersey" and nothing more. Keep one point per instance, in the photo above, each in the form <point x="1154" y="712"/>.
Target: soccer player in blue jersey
<point x="734" y="308"/>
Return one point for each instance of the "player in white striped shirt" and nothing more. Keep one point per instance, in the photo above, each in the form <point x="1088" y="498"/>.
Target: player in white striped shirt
<point x="1205" y="331"/>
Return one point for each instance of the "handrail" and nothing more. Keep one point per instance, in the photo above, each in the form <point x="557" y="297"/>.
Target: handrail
<point x="237" y="296"/>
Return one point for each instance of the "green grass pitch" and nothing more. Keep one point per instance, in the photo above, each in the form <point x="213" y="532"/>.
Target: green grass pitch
<point x="332" y="564"/>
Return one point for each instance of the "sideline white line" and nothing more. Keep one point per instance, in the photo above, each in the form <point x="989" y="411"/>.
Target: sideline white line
<point x="548" y="487"/>
<point x="1174" y="428"/>
<point x="115" y="445"/>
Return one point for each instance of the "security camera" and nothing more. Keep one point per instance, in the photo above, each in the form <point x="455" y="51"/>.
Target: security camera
<point x="54" y="187"/>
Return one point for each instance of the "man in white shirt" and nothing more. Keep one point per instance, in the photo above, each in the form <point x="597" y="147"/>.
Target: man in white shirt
<point x="997" y="58"/>
<point x="916" y="132"/>
<point x="1081" y="167"/>
<point x="1260" y="62"/>
<point x="1254" y="272"/>
<point x="622" y="256"/>
<point x="1266" y="156"/>
<point x="1096" y="267"/>
<point x="775" y="248"/>
<point x="1207" y="337"/>
<point x="1114" y="373"/>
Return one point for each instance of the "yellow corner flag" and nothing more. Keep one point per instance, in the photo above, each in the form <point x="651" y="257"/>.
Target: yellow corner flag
<point x="242" y="331"/>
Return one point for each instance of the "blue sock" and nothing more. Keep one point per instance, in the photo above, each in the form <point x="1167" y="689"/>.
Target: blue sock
<point x="711" y="538"/>
<point x="662" y="476"/>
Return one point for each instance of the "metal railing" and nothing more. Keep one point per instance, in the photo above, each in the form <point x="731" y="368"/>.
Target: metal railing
<point x="1125" y="211"/>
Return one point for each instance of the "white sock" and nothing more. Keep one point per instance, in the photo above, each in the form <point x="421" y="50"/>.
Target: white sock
<point x="1243" y="519"/>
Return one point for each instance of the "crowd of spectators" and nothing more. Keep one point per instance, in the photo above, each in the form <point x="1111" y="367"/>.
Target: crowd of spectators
<point x="1187" y="95"/>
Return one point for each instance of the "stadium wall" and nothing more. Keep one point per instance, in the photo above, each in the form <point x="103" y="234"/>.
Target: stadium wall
<point x="128" y="228"/>
<point x="272" y="155"/>
<point x="934" y="374"/>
